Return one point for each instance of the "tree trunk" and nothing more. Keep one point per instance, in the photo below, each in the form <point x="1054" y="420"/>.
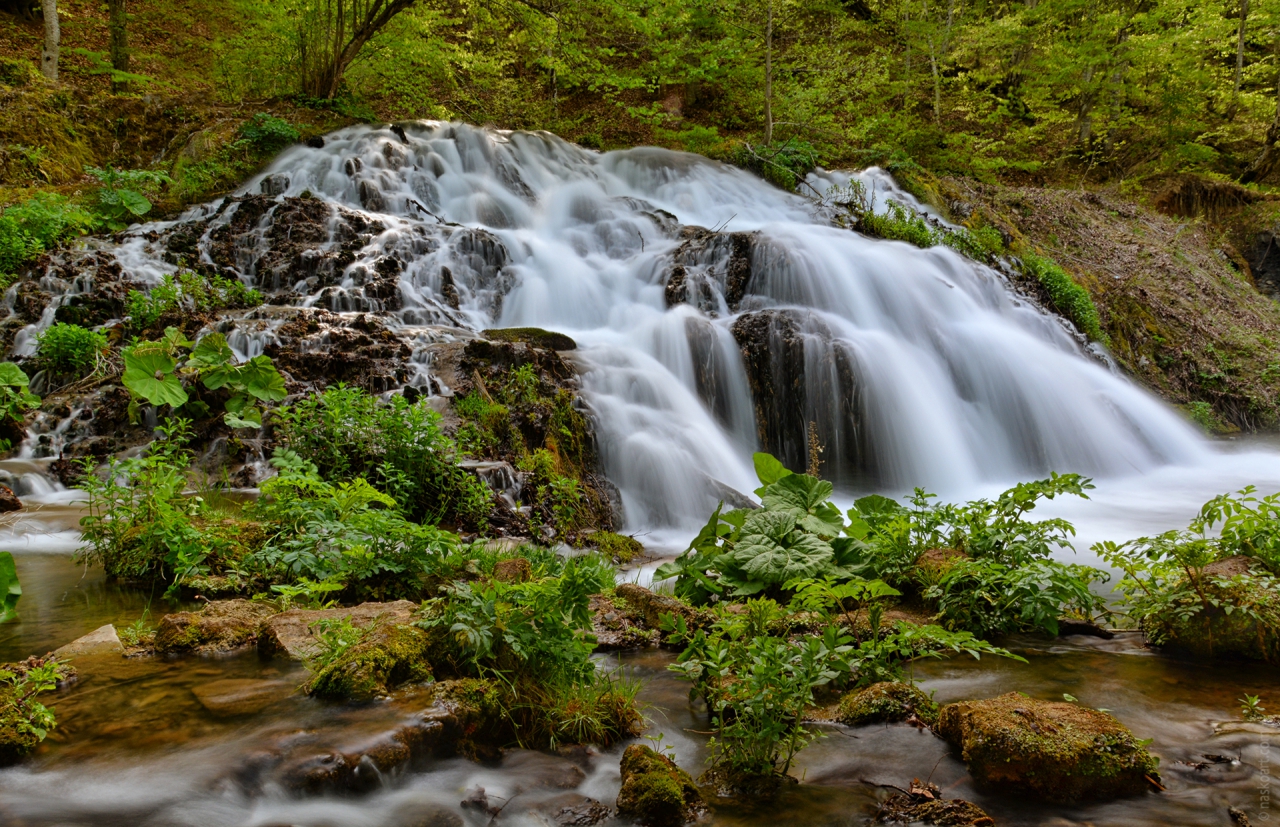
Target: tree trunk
<point x="768" y="78"/>
<point x="118" y="27"/>
<point x="52" y="38"/>
<point x="1263" y="165"/>
<point x="1084" y="123"/>
<point x="1235" y="92"/>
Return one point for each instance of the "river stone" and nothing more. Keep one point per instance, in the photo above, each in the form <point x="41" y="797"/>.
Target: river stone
<point x="220" y="626"/>
<point x="923" y="804"/>
<point x="1060" y="751"/>
<point x="289" y="634"/>
<point x="886" y="702"/>
<point x="8" y="500"/>
<point x="240" y="696"/>
<point x="655" y="792"/>
<point x="387" y="656"/>
<point x="102" y="640"/>
<point x="653" y="606"/>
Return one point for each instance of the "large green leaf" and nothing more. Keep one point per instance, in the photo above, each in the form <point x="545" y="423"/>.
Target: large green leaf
<point x="134" y="201"/>
<point x="12" y="375"/>
<point x="774" y="562"/>
<point x="261" y="379"/>
<point x="808" y="497"/>
<point x="210" y="351"/>
<point x="247" y="418"/>
<point x="768" y="468"/>
<point x="148" y="372"/>
<point x="10" y="590"/>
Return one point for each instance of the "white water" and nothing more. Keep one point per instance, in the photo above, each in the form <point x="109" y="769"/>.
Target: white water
<point x="961" y="387"/>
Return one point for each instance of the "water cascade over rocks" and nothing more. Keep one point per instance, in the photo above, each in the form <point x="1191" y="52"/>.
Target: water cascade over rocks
<point x="715" y="314"/>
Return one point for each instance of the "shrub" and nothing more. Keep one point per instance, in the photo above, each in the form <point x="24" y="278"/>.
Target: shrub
<point x="783" y="164"/>
<point x="34" y="226"/>
<point x="122" y="196"/>
<point x="69" y="350"/>
<point x="188" y="292"/>
<point x="267" y="133"/>
<point x="1067" y="297"/>
<point x="397" y="445"/>
<point x="15" y="401"/>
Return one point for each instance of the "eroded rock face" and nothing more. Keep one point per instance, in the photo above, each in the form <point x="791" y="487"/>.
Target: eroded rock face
<point x="887" y="702"/>
<point x="657" y="793"/>
<point x="221" y="626"/>
<point x="1060" y="751"/>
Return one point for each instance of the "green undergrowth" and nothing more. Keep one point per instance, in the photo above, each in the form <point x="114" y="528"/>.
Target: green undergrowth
<point x="184" y="295"/>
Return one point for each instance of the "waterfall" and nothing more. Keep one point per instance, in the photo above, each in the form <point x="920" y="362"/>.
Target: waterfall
<point x="715" y="314"/>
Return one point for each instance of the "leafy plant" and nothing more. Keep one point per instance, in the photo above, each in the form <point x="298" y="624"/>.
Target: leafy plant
<point x="189" y="292"/>
<point x="267" y="133"/>
<point x="15" y="401"/>
<point x="122" y="194"/>
<point x="23" y="684"/>
<point x="993" y="598"/>
<point x="1251" y="708"/>
<point x="34" y="226"/>
<point x="1067" y="297"/>
<point x="10" y="588"/>
<point x="70" y="350"/>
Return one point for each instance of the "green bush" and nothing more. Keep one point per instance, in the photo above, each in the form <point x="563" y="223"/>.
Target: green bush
<point x="15" y="401"/>
<point x="122" y="196"/>
<point x="69" y="350"/>
<point x="190" y="293"/>
<point x="267" y="133"/>
<point x="1067" y="297"/>
<point x="34" y="226"/>
<point x="782" y="163"/>
<point x="397" y="445"/>
<point x="901" y="223"/>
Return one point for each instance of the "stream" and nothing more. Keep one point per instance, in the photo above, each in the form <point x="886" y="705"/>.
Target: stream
<point x="910" y="367"/>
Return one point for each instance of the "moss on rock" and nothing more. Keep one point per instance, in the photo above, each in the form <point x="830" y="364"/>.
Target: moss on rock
<point x="886" y="702"/>
<point x="655" y="792"/>
<point x="1236" y="615"/>
<point x="385" y="657"/>
<point x="220" y="626"/>
<point x="1061" y="751"/>
<point x="17" y="741"/>
<point x="619" y="547"/>
<point x="535" y="336"/>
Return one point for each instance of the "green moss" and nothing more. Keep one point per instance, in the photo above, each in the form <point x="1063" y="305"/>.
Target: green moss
<point x="887" y="702"/>
<point x="1067" y="297"/>
<point x="655" y="792"/>
<point x="619" y="547"/>
<point x="1060" y="751"/>
<point x="386" y="657"/>
<point x="535" y="336"/>
<point x="17" y="741"/>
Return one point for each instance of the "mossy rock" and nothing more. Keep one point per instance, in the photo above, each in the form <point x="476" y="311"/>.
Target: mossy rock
<point x="1212" y="632"/>
<point x="924" y="804"/>
<point x="535" y="336"/>
<point x="17" y="72"/>
<point x="886" y="702"/>
<point x="387" y="656"/>
<point x="221" y="626"/>
<point x="1062" y="752"/>
<point x="655" y="792"/>
<point x="16" y="743"/>
<point x="620" y="547"/>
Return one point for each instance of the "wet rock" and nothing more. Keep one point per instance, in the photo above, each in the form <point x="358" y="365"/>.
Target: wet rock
<point x="8" y="500"/>
<point x="477" y="800"/>
<point x="535" y="336"/>
<point x="568" y="809"/>
<point x="710" y="267"/>
<point x="220" y="626"/>
<point x="235" y="696"/>
<point x="1060" y="751"/>
<point x="651" y="607"/>
<point x="1210" y="631"/>
<point x="315" y="142"/>
<point x="923" y="804"/>
<point x="101" y="641"/>
<point x="290" y="635"/>
<point x="887" y="702"/>
<point x="618" y="626"/>
<point x="743" y="787"/>
<point x="655" y="792"/>
<point x="388" y="656"/>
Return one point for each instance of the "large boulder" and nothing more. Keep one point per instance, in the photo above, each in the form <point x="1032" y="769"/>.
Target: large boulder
<point x="886" y="702"/>
<point x="1062" y="752"/>
<point x="1227" y="622"/>
<point x="386" y="656"/>
<point x="220" y="626"/>
<point x="655" y="792"/>
<point x="291" y="634"/>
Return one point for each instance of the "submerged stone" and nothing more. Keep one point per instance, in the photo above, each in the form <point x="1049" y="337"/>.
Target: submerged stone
<point x="923" y="804"/>
<point x="220" y="626"/>
<point x="886" y="702"/>
<point x="240" y="696"/>
<point x="655" y="792"/>
<point x="1061" y="751"/>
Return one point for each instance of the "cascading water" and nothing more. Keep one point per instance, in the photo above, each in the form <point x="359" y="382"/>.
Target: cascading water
<point x="718" y="314"/>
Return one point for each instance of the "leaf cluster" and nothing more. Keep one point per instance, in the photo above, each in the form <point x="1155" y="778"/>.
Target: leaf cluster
<point x="122" y="194"/>
<point x="190" y="293"/>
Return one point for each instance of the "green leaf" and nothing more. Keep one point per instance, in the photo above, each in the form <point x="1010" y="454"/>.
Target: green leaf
<point x="768" y="468"/>
<point x="10" y="590"/>
<point x="173" y="341"/>
<point x="148" y="372"/>
<point x="12" y="375"/>
<point x="874" y="505"/>
<point x="135" y="202"/>
<point x="211" y="350"/>
<point x="247" y="418"/>
<point x="219" y="376"/>
<point x="261" y="379"/>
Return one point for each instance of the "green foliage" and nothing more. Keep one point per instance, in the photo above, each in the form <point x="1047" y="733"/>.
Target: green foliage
<point x="21" y="710"/>
<point x="70" y="350"/>
<point x="395" y="444"/>
<point x="783" y="163"/>
<point x="10" y="588"/>
<point x="34" y="226"/>
<point x="348" y="533"/>
<point x="122" y="194"/>
<point x="153" y="372"/>
<point x="334" y="637"/>
<point x="1251" y="708"/>
<point x="268" y="134"/>
<point x="1067" y="297"/>
<point x="15" y="401"/>
<point x="188" y="292"/>
<point x="993" y="598"/>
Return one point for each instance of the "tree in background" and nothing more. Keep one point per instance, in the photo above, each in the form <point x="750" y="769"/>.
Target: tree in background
<point x="52" y="37"/>
<point x="118" y="45"/>
<point x="330" y="35"/>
